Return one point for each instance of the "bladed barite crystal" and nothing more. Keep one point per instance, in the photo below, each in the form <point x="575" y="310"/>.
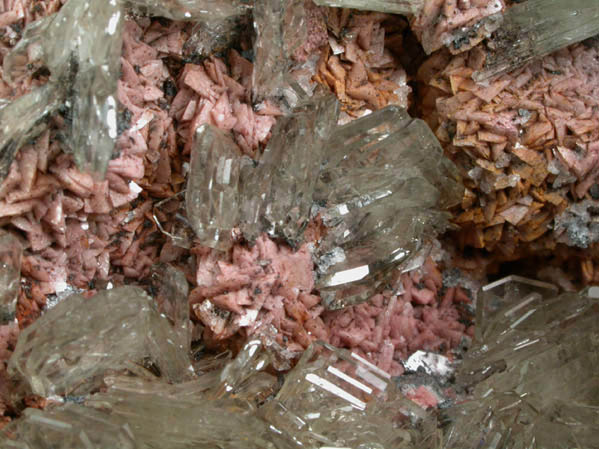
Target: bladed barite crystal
<point x="71" y="345"/>
<point x="389" y="6"/>
<point x="11" y="251"/>
<point x="535" y="28"/>
<point x="190" y="10"/>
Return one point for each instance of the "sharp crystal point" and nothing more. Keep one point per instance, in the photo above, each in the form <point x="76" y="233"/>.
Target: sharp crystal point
<point x="536" y="28"/>
<point x="70" y="426"/>
<point x="382" y="188"/>
<point x="212" y="196"/>
<point x="390" y="6"/>
<point x="11" y="251"/>
<point x="55" y="357"/>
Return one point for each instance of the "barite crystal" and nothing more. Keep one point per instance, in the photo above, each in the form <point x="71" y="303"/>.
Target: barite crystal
<point x="382" y="188"/>
<point x="407" y="7"/>
<point x="83" y="79"/>
<point x="536" y="28"/>
<point x="531" y="372"/>
<point x="70" y="426"/>
<point x="277" y="194"/>
<point x="212" y="195"/>
<point x="11" y="251"/>
<point x="68" y="348"/>
<point x="190" y="10"/>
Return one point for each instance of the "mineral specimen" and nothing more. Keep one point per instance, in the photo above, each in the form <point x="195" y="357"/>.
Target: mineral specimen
<point x="54" y="356"/>
<point x="536" y="28"/>
<point x="531" y="370"/>
<point x="390" y="6"/>
<point x="10" y="276"/>
<point x="69" y="426"/>
<point x="83" y="76"/>
<point x="212" y="194"/>
<point x="381" y="185"/>
<point x="191" y="10"/>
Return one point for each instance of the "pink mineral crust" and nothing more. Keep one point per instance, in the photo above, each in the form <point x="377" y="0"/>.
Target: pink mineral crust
<point x="439" y="19"/>
<point x="317" y="35"/>
<point x="389" y="328"/>
<point x="423" y="396"/>
<point x="267" y="284"/>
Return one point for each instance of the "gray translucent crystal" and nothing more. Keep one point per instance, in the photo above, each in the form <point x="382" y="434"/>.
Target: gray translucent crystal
<point x="190" y="10"/>
<point x="280" y="27"/>
<point x="68" y="348"/>
<point x="277" y="194"/>
<point x="389" y="6"/>
<point x="535" y="28"/>
<point x="334" y="398"/>
<point x="69" y="426"/>
<point x="10" y="275"/>
<point x="84" y="75"/>
<point x="531" y="372"/>
<point x="24" y="119"/>
<point x="381" y="191"/>
<point x="212" y="196"/>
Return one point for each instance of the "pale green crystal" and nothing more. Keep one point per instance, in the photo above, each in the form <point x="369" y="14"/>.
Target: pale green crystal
<point x="531" y="371"/>
<point x="212" y="196"/>
<point x="536" y="28"/>
<point x="84" y="76"/>
<point x="69" y="426"/>
<point x="10" y="275"/>
<point x="190" y="10"/>
<point x="277" y="194"/>
<point x="382" y="188"/>
<point x="69" y="347"/>
<point x="389" y="6"/>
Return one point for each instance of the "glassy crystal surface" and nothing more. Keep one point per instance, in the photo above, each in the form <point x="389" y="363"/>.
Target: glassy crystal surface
<point x="69" y="426"/>
<point x="280" y="27"/>
<point x="382" y="188"/>
<point x="334" y="398"/>
<point x="10" y="275"/>
<point x="212" y="196"/>
<point x="192" y="10"/>
<point x="538" y="27"/>
<point x="88" y="70"/>
<point x="531" y="373"/>
<point x="277" y="194"/>
<point x="24" y="119"/>
<point x="69" y="347"/>
<point x="390" y="6"/>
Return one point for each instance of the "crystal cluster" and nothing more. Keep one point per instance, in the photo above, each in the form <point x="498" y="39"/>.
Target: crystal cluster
<point x="10" y="276"/>
<point x="531" y="371"/>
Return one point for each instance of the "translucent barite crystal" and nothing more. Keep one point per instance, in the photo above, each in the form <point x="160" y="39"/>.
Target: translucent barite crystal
<point x="531" y="372"/>
<point x="69" y="347"/>
<point x="276" y="196"/>
<point x="68" y="426"/>
<point x="536" y="28"/>
<point x="190" y="10"/>
<point x="83" y="75"/>
<point x="334" y="398"/>
<point x="280" y="27"/>
<point x="10" y="276"/>
<point x="212" y="196"/>
<point x="389" y="6"/>
<point x="382" y="188"/>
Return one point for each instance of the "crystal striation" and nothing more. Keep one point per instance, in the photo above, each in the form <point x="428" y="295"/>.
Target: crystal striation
<point x="69" y="426"/>
<point x="212" y="195"/>
<point x="390" y="6"/>
<point x="536" y="28"/>
<point x="71" y="345"/>
<point x="381" y="189"/>
<point x="83" y="78"/>
<point x="11" y="251"/>
<point x="531" y="372"/>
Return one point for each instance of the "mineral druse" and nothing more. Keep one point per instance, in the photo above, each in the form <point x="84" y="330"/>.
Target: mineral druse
<point x="10" y="276"/>
<point x="531" y="370"/>
<point x="71" y="345"/>
<point x="536" y="28"/>
<point x="83" y="79"/>
<point x="390" y="6"/>
<point x="382" y="186"/>
<point x="68" y="426"/>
